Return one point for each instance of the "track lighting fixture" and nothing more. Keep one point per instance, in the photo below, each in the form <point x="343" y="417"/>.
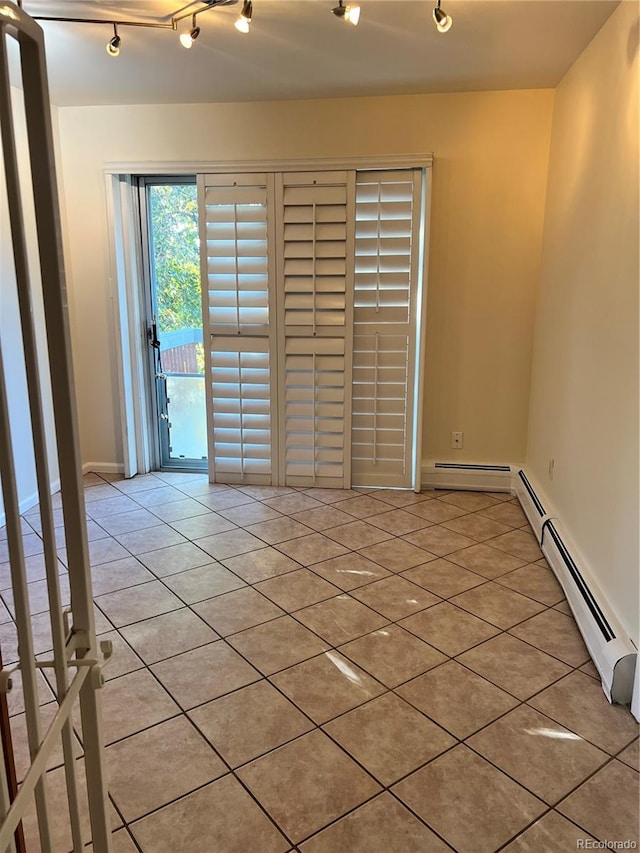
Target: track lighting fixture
<point x="187" y="38"/>
<point x="244" y="21"/>
<point x="113" y="45"/>
<point x="442" y="20"/>
<point x="350" y="14"/>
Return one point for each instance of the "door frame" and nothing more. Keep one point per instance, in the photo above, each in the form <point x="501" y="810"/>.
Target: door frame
<point x="126" y="269"/>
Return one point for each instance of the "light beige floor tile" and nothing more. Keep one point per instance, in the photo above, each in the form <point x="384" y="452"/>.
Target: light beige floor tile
<point x="322" y="518"/>
<point x="563" y="607"/>
<point x="396" y="555"/>
<point x="403" y="497"/>
<point x="111" y="506"/>
<point x="120" y="843"/>
<point x="340" y="619"/>
<point x="380" y="826"/>
<point x="140" y="602"/>
<point x="132" y="703"/>
<point x="292" y="503"/>
<point x="506" y="513"/>
<point x="296" y="589"/>
<point x="556" y="634"/>
<point x="126" y="522"/>
<point x="123" y="658"/>
<point x="470" y="501"/>
<point x="357" y="534"/>
<point x="398" y="522"/>
<point x="552" y="834"/>
<point x="167" y="635"/>
<point x="392" y="655"/>
<point x="104" y="551"/>
<point x="200" y="526"/>
<point x="395" y="597"/>
<point x="202" y="583"/>
<point x="438" y="540"/>
<point x="38" y="597"/>
<point x="178" y="510"/>
<point x="498" y="605"/>
<point x="230" y="544"/>
<point x="262" y="493"/>
<point x="220" y="817"/>
<point x="151" y="768"/>
<point x="223" y="499"/>
<point x="452" y="794"/>
<point x="327" y="784"/>
<point x="109" y="577"/>
<point x="389" y="737"/>
<point x="141" y="541"/>
<point x="607" y="804"/>
<point x="435" y="511"/>
<point x="236" y="611"/>
<point x="457" y="699"/>
<point x="176" y="558"/>
<point x="279" y="530"/>
<point x="311" y="549"/>
<point x="277" y="645"/>
<point x="448" y="628"/>
<point x="350" y="571"/>
<point x="267" y="720"/>
<point x="260" y="565"/>
<point x="246" y="514"/>
<point x="589" y="669"/>
<point x="485" y="560"/>
<point x="99" y="491"/>
<point x="138" y="483"/>
<point x="327" y="685"/>
<point x="540" y="754"/>
<point x="520" y="543"/>
<point x="329" y="496"/>
<point x="513" y="665"/>
<point x="203" y="674"/>
<point x="477" y="527"/>
<point x="535" y="581"/>
<point x="443" y="578"/>
<point x="362" y="506"/>
<point x="158" y="497"/>
<point x="34" y="570"/>
<point x="15" y="698"/>
<point x="631" y="755"/>
<point x="578" y="703"/>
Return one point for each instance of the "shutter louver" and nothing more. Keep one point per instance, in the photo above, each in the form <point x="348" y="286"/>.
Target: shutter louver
<point x="317" y="274"/>
<point x="238" y="275"/>
<point x="383" y="329"/>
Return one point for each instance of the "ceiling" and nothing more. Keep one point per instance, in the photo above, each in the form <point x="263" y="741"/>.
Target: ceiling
<point x="298" y="49"/>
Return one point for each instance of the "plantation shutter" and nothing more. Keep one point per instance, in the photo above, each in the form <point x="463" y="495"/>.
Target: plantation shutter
<point x="315" y="296"/>
<point x="239" y="272"/>
<point x="385" y="289"/>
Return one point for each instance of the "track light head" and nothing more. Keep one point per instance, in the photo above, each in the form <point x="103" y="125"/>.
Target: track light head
<point x="187" y="38"/>
<point x="349" y="14"/>
<point x="443" y="21"/>
<point x="113" y="45"/>
<point x="244" y="21"/>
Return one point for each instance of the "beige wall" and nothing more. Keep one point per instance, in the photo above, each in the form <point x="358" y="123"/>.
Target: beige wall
<point x="491" y="154"/>
<point x="584" y="397"/>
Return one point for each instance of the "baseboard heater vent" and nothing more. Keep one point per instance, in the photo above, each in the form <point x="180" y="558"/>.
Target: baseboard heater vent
<point x="464" y="475"/>
<point x="531" y="504"/>
<point x="611" y="651"/>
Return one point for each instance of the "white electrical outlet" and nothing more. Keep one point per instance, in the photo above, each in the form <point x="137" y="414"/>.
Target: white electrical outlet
<point x="456" y="439"/>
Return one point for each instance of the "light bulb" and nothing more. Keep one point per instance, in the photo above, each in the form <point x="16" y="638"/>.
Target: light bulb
<point x="242" y="25"/>
<point x="187" y="39"/>
<point x="442" y="20"/>
<point x="113" y="46"/>
<point x="244" y="21"/>
<point x="352" y="14"/>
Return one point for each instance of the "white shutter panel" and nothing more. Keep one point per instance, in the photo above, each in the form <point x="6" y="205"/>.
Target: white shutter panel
<point x="237" y="224"/>
<point x="386" y="263"/>
<point x="316" y="284"/>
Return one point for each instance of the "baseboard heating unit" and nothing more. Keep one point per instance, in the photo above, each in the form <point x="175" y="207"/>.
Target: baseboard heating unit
<point x="453" y="475"/>
<point x="611" y="650"/>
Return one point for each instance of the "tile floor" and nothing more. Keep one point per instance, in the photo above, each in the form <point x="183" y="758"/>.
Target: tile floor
<point x="333" y="672"/>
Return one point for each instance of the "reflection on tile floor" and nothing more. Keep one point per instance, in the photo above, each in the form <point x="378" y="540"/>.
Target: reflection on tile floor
<point x="335" y="672"/>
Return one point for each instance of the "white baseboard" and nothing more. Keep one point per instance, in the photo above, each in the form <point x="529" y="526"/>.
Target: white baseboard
<point x="613" y="653"/>
<point x="453" y="475"/>
<point x="103" y="468"/>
